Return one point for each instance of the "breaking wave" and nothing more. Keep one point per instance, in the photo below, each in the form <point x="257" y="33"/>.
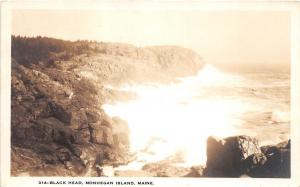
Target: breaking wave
<point x="177" y="118"/>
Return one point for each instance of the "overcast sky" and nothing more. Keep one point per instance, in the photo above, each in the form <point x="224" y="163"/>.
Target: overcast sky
<point x="219" y="37"/>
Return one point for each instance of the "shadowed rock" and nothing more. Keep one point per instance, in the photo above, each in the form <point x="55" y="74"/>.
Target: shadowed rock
<point x="254" y="163"/>
<point x="241" y="156"/>
<point x="277" y="163"/>
<point x="225" y="156"/>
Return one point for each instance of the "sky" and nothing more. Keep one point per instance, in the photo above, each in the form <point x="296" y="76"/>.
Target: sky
<point x="218" y="36"/>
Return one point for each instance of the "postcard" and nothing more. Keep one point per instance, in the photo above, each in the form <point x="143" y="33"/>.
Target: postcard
<point x="150" y="93"/>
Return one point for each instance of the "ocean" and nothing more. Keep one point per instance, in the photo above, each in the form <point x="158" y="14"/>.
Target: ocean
<point x="177" y="118"/>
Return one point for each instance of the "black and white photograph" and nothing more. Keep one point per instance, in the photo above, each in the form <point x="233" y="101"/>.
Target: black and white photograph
<point x="150" y="93"/>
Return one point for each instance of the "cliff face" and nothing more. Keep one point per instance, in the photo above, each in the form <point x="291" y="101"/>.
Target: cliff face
<point x="58" y="87"/>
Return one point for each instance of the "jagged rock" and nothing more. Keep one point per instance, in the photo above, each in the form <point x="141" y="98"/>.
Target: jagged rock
<point x="278" y="161"/>
<point x="253" y="164"/>
<point x="225" y="157"/>
<point x="241" y="156"/>
<point x="101" y="134"/>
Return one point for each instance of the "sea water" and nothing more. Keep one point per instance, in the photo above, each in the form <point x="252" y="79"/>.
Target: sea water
<point x="173" y="121"/>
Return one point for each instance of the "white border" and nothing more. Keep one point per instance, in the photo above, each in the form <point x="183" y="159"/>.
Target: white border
<point x="292" y="7"/>
<point x="5" y="60"/>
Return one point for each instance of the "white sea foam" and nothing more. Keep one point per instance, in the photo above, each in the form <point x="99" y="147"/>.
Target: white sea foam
<point x="280" y="116"/>
<point x="183" y="117"/>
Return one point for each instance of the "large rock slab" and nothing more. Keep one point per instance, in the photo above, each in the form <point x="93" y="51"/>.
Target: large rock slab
<point x="225" y="156"/>
<point x="241" y="156"/>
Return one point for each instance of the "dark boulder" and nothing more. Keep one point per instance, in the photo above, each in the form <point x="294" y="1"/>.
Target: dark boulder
<point x="277" y="164"/>
<point x="241" y="156"/>
<point x="225" y="156"/>
<point x="254" y="165"/>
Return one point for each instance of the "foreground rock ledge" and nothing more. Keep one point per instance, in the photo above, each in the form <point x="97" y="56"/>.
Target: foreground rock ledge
<point x="241" y="156"/>
<point x="237" y="156"/>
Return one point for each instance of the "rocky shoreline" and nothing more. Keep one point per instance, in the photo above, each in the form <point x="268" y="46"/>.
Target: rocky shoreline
<point x="234" y="157"/>
<point x="58" y="127"/>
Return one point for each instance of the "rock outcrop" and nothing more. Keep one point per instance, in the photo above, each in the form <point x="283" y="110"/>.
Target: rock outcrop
<point x="277" y="161"/>
<point x="225" y="156"/>
<point x="57" y="89"/>
<point x="241" y="155"/>
<point x="58" y="127"/>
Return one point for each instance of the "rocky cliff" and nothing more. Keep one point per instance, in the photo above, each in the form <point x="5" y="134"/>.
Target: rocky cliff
<point x="58" y="87"/>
